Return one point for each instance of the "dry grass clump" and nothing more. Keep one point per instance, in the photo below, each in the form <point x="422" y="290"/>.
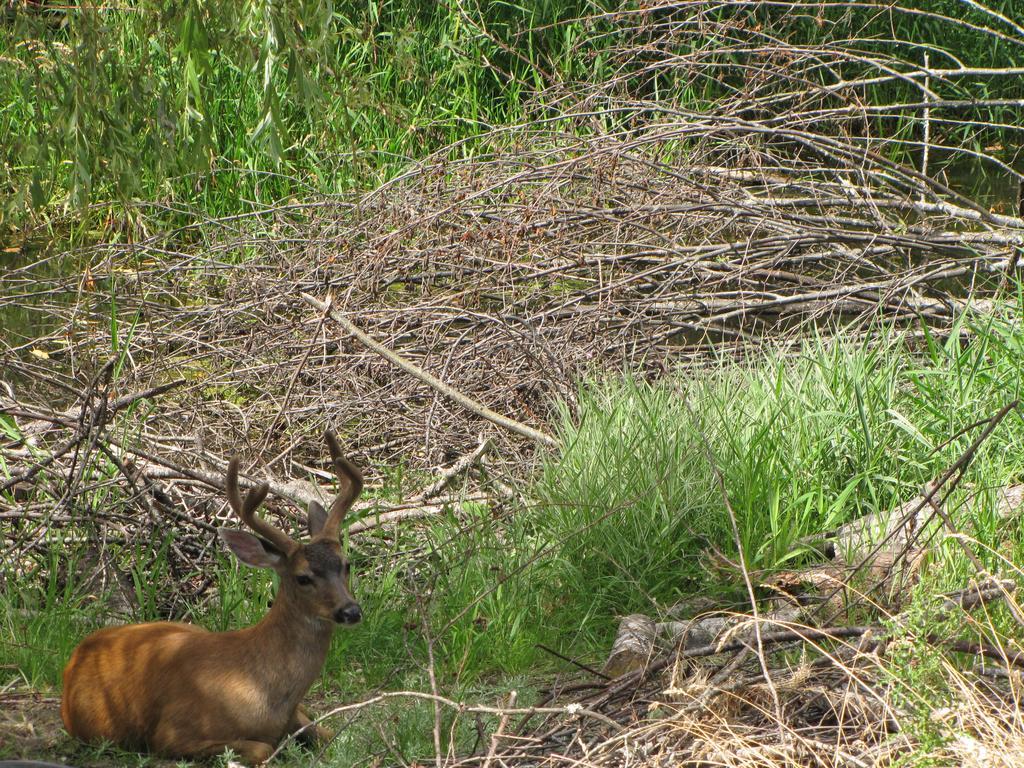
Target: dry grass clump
<point x="840" y="718"/>
<point x="828" y="704"/>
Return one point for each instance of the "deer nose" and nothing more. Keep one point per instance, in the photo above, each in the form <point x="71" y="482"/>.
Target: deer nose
<point x="350" y="614"/>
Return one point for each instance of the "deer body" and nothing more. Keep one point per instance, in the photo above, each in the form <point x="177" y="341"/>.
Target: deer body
<point x="179" y="690"/>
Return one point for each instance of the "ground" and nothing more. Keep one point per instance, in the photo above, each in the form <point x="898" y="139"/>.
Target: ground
<point x="30" y="727"/>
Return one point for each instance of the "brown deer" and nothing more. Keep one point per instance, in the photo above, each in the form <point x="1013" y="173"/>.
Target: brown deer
<point x="178" y="690"/>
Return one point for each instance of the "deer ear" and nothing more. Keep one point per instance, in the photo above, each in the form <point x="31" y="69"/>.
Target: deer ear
<point x="316" y="518"/>
<point x="250" y="549"/>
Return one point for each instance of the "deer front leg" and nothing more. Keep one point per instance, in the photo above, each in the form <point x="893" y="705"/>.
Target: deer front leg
<point x="311" y="736"/>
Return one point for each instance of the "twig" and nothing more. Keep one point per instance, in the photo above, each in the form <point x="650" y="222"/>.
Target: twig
<point x="460" y="466"/>
<point x="574" y="662"/>
<point x="432" y="675"/>
<point x="499" y="731"/>
<point x="720" y="481"/>
<point x="570" y="710"/>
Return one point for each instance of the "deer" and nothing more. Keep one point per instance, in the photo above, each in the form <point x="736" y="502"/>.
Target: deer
<point x="178" y="690"/>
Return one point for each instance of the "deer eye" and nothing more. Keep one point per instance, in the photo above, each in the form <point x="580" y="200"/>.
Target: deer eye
<point x="304" y="580"/>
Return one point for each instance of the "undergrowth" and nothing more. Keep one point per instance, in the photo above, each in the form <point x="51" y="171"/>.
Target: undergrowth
<point x="629" y="516"/>
<point x="804" y="440"/>
<point x="222" y="105"/>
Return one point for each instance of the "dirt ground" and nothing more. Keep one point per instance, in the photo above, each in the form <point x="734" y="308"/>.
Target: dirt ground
<point x="31" y="728"/>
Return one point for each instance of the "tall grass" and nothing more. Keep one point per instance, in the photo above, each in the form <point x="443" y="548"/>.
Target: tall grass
<point x="804" y="441"/>
<point x="220" y="105"/>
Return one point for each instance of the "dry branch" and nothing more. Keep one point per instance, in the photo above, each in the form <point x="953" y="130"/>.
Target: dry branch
<point x="633" y="647"/>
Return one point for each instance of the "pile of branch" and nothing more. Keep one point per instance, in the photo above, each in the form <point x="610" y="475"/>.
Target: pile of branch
<point x="81" y="482"/>
<point x="615" y="231"/>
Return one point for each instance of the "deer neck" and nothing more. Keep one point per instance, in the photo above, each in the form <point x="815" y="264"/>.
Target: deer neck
<point x="293" y="646"/>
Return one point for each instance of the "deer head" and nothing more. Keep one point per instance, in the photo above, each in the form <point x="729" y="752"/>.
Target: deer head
<point x="314" y="576"/>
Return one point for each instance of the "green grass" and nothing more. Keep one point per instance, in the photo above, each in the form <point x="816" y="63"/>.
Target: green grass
<point x="804" y="441"/>
<point x="40" y="628"/>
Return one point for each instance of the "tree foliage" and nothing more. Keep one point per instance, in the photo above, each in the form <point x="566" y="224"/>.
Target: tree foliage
<point x="148" y="97"/>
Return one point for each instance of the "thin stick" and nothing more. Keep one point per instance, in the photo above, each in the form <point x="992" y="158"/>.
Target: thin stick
<point x="720" y="480"/>
<point x="570" y="710"/>
<point x="500" y="731"/>
<point x="431" y="671"/>
<point x="927" y="138"/>
<point x="579" y="664"/>
<point x="460" y="466"/>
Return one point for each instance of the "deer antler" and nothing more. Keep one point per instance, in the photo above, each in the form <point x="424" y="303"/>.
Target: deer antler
<point x="350" y="485"/>
<point x="246" y="510"/>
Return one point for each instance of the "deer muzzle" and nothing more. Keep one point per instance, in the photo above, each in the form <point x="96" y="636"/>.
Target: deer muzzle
<point x="349" y="614"/>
